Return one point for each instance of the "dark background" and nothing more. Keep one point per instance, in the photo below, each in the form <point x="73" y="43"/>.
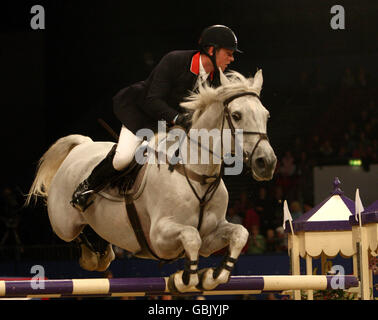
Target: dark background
<point x="60" y="80"/>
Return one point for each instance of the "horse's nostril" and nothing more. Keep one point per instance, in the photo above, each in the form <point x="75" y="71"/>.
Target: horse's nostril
<point x="260" y="163"/>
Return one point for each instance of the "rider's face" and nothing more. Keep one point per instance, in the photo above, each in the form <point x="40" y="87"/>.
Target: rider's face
<point x="223" y="57"/>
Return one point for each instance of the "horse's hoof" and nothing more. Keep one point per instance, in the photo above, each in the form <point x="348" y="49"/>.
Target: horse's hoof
<point x="171" y="284"/>
<point x="89" y="262"/>
<point x="208" y="281"/>
<point x="176" y="283"/>
<point x="201" y="275"/>
<point x="204" y="275"/>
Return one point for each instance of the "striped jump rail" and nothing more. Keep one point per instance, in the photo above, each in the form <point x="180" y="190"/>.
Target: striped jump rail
<point x="117" y="287"/>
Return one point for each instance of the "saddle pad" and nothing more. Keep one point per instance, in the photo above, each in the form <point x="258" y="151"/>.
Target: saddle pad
<point x="140" y="182"/>
<point x="134" y="192"/>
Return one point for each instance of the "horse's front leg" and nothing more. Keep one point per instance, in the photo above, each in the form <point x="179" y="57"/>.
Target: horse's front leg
<point x="233" y="235"/>
<point x="169" y="239"/>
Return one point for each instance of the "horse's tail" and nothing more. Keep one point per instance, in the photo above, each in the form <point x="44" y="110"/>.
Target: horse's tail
<point x="49" y="164"/>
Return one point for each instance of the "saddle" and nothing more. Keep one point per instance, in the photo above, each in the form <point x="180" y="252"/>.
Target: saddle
<point x="130" y="183"/>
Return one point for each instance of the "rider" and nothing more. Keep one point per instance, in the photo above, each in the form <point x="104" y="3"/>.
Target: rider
<point x="143" y="104"/>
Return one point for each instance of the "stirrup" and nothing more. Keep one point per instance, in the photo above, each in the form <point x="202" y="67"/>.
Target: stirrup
<point x="80" y="199"/>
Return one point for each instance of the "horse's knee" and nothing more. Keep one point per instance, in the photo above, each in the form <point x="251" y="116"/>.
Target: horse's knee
<point x="243" y="235"/>
<point x="190" y="238"/>
<point x="169" y="239"/>
<point x="239" y="238"/>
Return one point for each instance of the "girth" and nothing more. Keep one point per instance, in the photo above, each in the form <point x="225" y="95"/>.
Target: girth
<point x="212" y="181"/>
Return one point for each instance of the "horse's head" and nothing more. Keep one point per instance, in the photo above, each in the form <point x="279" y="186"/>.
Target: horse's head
<point x="243" y="110"/>
<point x="236" y="106"/>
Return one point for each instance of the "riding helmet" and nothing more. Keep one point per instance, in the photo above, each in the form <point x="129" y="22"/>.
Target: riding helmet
<point x="219" y="36"/>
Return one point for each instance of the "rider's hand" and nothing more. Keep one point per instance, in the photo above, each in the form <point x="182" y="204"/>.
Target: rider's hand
<point x="184" y="120"/>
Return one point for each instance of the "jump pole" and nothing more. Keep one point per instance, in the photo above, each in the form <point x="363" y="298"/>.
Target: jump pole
<point x="117" y="287"/>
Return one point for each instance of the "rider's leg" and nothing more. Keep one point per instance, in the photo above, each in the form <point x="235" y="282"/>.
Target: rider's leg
<point x="127" y="144"/>
<point x="119" y="157"/>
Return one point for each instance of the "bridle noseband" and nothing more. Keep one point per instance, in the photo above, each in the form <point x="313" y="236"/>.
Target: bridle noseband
<point x="227" y="115"/>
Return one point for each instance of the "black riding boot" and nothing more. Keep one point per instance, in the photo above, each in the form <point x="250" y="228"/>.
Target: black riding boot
<point x="101" y="175"/>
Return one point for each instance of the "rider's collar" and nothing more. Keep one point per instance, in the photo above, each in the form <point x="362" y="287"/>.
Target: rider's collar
<point x="195" y="65"/>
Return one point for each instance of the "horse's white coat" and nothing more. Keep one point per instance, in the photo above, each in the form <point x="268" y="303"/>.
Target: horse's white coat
<point x="168" y="209"/>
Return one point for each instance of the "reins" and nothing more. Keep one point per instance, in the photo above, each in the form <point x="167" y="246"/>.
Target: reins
<point x="213" y="186"/>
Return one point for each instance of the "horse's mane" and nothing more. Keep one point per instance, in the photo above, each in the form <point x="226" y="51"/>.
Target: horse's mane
<point x="233" y="82"/>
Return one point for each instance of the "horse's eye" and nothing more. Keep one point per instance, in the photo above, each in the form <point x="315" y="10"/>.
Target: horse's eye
<point x="236" y="116"/>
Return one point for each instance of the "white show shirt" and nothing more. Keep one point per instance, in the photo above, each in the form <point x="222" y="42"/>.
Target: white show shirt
<point x="202" y="77"/>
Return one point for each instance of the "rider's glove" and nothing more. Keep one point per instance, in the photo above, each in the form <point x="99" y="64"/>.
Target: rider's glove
<point x="184" y="120"/>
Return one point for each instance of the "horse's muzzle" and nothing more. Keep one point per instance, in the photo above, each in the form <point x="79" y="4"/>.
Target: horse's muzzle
<point x="262" y="167"/>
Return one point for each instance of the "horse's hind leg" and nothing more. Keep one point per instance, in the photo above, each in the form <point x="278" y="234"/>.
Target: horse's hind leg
<point x="89" y="258"/>
<point x="234" y="235"/>
<point x="106" y="258"/>
<point x="96" y="253"/>
<point x="168" y="240"/>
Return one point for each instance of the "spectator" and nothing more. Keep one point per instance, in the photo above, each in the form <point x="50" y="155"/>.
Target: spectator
<point x="233" y="217"/>
<point x="251" y="218"/>
<point x="287" y="167"/>
<point x="274" y="218"/>
<point x="282" y="242"/>
<point x="262" y="203"/>
<point x="350" y="144"/>
<point x="295" y="209"/>
<point x="256" y="242"/>
<point x="297" y="148"/>
<point x="245" y="204"/>
<point x="237" y="207"/>
<point x="270" y="241"/>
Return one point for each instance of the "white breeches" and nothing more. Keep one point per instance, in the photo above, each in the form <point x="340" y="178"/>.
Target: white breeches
<point x="127" y="144"/>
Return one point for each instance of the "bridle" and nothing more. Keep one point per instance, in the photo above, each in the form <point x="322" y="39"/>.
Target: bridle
<point x="228" y="117"/>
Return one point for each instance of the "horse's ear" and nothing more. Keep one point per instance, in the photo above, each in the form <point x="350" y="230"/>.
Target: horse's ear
<point x="223" y="79"/>
<point x="258" y="81"/>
